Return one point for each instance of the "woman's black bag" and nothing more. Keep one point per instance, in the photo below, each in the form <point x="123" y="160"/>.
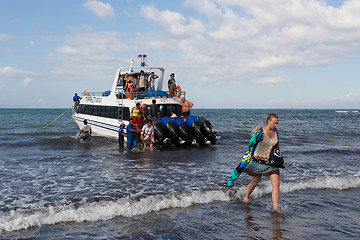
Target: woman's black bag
<point x="275" y="157"/>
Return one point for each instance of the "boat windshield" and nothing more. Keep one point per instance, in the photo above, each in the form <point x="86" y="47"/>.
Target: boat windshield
<point x="165" y="109"/>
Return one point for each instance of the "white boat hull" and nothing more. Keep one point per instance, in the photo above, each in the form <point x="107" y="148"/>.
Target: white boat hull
<point x="99" y="125"/>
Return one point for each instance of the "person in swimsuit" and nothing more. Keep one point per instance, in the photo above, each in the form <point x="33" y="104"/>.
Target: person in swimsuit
<point x="85" y="131"/>
<point x="257" y="168"/>
<point x="135" y="110"/>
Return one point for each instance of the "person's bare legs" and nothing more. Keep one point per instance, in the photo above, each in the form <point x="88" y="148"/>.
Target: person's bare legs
<point x="250" y="188"/>
<point x="275" y="182"/>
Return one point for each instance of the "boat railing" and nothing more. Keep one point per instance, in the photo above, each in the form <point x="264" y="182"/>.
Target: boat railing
<point x="94" y="94"/>
<point x="120" y="94"/>
<point x="149" y="94"/>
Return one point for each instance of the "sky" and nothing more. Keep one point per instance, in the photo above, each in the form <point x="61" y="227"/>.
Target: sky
<point x="233" y="54"/>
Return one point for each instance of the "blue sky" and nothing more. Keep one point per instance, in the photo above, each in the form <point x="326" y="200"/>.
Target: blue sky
<point x="225" y="53"/>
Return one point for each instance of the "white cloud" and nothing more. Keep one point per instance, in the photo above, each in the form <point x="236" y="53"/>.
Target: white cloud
<point x="67" y="50"/>
<point x="27" y="81"/>
<point x="349" y="97"/>
<point x="100" y="9"/>
<point x="13" y="73"/>
<point x="4" y="37"/>
<point x="173" y="22"/>
<point x="270" y="80"/>
<point x="88" y="55"/>
<point x="249" y="41"/>
<point x="41" y="100"/>
<point x="248" y="37"/>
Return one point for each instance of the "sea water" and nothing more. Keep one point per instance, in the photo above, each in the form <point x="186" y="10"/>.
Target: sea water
<point x="54" y="186"/>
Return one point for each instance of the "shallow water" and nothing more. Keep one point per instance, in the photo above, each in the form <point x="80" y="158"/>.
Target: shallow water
<point x="54" y="186"/>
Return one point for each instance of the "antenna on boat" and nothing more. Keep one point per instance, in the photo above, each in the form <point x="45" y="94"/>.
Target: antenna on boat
<point x="143" y="60"/>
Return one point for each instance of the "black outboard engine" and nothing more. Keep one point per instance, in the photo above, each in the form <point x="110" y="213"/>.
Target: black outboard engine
<point x="207" y="131"/>
<point x="159" y="134"/>
<point x="195" y="129"/>
<point x="182" y="130"/>
<point x="170" y="129"/>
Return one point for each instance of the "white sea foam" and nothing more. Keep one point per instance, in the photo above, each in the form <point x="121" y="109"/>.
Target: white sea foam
<point x="128" y="207"/>
<point x="347" y="111"/>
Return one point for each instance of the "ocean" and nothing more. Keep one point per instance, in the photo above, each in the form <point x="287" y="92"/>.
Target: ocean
<point x="54" y="186"/>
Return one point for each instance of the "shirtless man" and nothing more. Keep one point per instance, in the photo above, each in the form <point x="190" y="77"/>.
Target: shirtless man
<point x="186" y="106"/>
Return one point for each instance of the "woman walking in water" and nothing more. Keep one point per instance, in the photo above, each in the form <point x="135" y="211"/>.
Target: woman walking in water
<point x="259" y="167"/>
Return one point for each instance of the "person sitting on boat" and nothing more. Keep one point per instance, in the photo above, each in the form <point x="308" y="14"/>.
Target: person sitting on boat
<point x="172" y="84"/>
<point x="85" y="131"/>
<point x="151" y="81"/>
<point x="122" y="135"/>
<point x="185" y="106"/>
<point x="147" y="135"/>
<point x="142" y="82"/>
<point x="76" y="100"/>
<point x="135" y="110"/>
<point x="154" y="110"/>
<point x="130" y="135"/>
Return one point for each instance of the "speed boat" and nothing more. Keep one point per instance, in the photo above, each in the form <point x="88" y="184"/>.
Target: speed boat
<point x="105" y="111"/>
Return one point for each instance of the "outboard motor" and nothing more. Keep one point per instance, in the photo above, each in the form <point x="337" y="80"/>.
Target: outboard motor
<point x="169" y="129"/>
<point x="206" y="130"/>
<point x="159" y="134"/>
<point x="182" y="130"/>
<point x="194" y="129"/>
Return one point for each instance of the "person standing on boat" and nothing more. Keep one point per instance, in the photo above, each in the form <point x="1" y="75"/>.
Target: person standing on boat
<point x="151" y="81"/>
<point x="134" y="82"/>
<point x="154" y="110"/>
<point x="76" y="100"/>
<point x="185" y="106"/>
<point x="130" y="135"/>
<point x="258" y="167"/>
<point x="85" y="131"/>
<point x="172" y="84"/>
<point x="125" y="81"/>
<point x="142" y="82"/>
<point x="129" y="86"/>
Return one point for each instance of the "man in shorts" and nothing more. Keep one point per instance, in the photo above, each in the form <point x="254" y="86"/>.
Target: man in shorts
<point x="147" y="135"/>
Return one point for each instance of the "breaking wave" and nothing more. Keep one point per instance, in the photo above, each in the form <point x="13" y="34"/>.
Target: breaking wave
<point x="127" y="207"/>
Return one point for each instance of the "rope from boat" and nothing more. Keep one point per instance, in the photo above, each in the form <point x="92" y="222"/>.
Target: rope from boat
<point x="299" y="139"/>
<point x="57" y="117"/>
